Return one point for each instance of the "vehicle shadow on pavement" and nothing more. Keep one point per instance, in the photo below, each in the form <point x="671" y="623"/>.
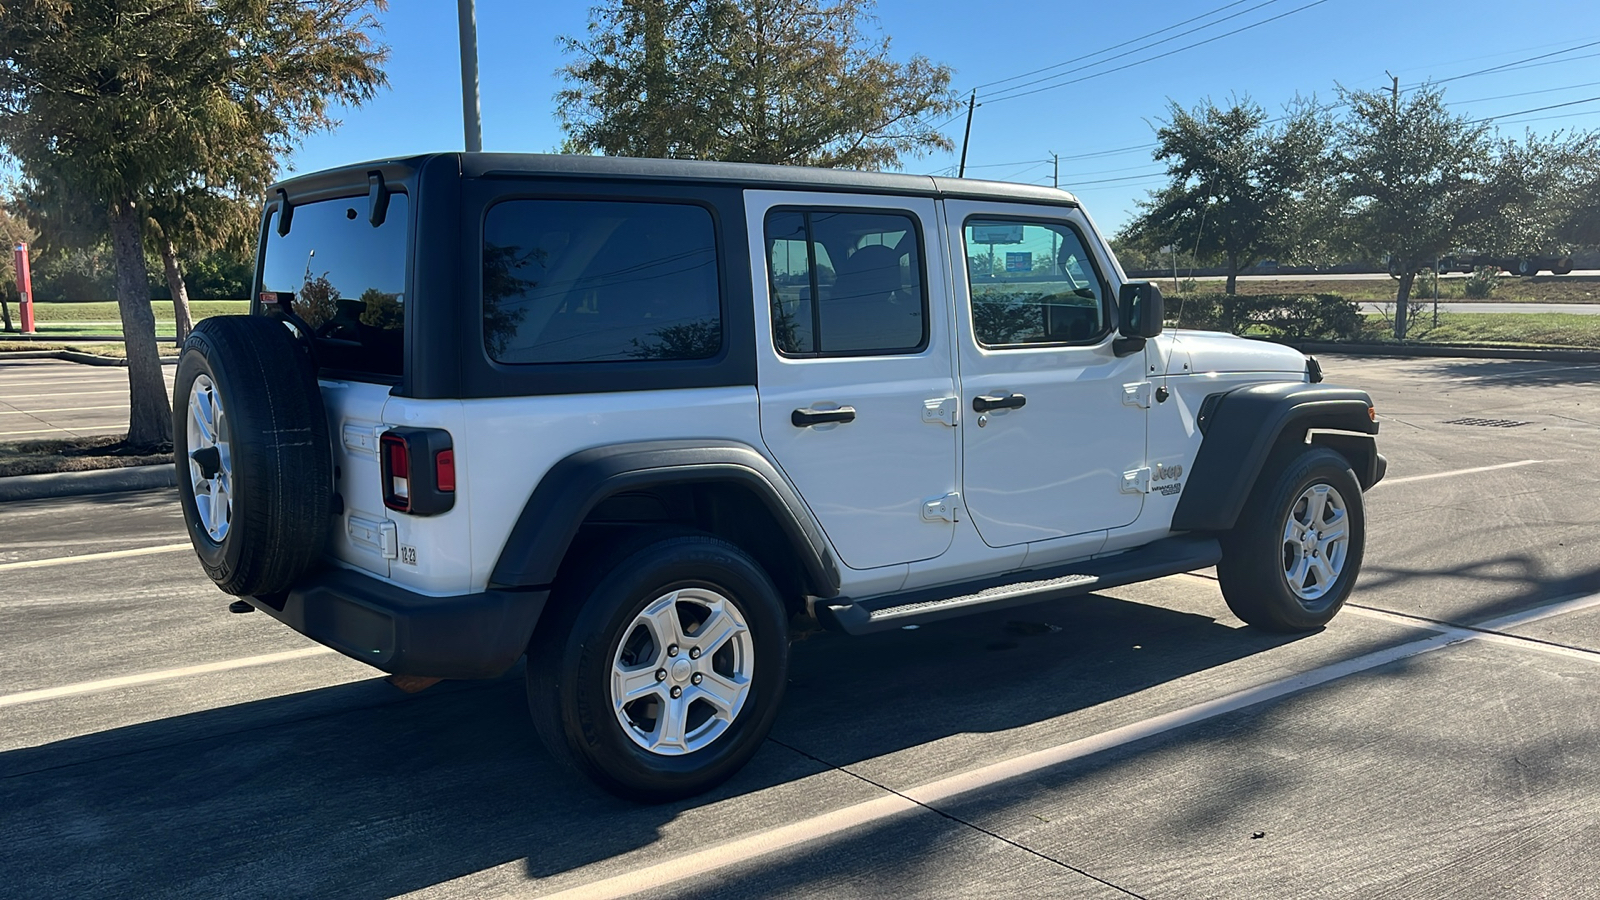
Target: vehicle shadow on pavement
<point x="360" y="791"/>
<point x="1511" y="373"/>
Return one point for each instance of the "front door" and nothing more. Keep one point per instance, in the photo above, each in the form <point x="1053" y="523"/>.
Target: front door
<point x="855" y="372"/>
<point x="1054" y="440"/>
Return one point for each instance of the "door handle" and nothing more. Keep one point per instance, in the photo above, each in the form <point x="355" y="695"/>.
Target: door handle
<point x="986" y="402"/>
<point x="805" y="418"/>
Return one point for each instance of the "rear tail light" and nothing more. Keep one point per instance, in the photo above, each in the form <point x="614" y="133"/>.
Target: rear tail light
<point x="419" y="470"/>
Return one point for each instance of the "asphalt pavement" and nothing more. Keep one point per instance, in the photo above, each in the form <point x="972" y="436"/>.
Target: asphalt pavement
<point x="42" y="399"/>
<point x="1438" y="739"/>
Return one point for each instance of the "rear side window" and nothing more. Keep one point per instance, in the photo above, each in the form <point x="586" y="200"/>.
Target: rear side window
<point x="845" y="283"/>
<point x="347" y="280"/>
<point x="1032" y="283"/>
<point x="568" y="281"/>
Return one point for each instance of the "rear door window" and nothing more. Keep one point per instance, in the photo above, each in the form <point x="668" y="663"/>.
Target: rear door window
<point x="346" y="278"/>
<point x="571" y="281"/>
<point x="845" y="283"/>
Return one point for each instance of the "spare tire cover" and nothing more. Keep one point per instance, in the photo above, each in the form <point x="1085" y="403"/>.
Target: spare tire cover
<point x="250" y="441"/>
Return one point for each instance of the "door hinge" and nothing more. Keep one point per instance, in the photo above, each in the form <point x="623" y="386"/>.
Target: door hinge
<point x="946" y="410"/>
<point x="1137" y="394"/>
<point x="382" y="536"/>
<point x="1136" y="482"/>
<point x="945" y="509"/>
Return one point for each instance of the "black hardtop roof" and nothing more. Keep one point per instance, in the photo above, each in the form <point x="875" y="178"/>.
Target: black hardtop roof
<point x="488" y="165"/>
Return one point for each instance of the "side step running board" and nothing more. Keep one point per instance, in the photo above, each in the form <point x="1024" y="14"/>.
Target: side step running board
<point x="1168" y="556"/>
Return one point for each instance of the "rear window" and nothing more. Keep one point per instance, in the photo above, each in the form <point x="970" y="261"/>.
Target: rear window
<point x="569" y="281"/>
<point x="347" y="279"/>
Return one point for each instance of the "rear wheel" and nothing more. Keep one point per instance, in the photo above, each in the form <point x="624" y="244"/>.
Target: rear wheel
<point x="661" y="668"/>
<point x="1292" y="559"/>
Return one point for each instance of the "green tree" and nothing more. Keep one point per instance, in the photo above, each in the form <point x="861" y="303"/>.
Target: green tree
<point x="1410" y="177"/>
<point x="800" y="82"/>
<point x="199" y="219"/>
<point x="1531" y="195"/>
<point x="116" y="103"/>
<point x="1237" y="184"/>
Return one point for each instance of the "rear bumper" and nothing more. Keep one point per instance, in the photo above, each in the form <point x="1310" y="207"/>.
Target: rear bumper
<point x="406" y="633"/>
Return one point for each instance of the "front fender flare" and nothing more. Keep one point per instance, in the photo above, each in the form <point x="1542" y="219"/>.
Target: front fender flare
<point x="575" y="485"/>
<point x="1241" y="428"/>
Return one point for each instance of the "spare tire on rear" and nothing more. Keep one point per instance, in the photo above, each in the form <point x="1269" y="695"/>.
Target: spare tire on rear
<point x="255" y="473"/>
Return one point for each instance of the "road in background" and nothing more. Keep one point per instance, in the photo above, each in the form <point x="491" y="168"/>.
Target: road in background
<point x="1447" y="763"/>
<point x="1472" y="306"/>
<point x="41" y="399"/>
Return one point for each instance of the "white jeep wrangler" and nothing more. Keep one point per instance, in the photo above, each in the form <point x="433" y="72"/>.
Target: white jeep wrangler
<point x="629" y="417"/>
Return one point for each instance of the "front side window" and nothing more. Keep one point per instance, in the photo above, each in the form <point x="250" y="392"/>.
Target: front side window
<point x="567" y="281"/>
<point x="845" y="283"/>
<point x="346" y="278"/>
<point x="1032" y="283"/>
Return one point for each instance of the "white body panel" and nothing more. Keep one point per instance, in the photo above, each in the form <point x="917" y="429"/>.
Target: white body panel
<point x="867" y="480"/>
<point x="355" y="419"/>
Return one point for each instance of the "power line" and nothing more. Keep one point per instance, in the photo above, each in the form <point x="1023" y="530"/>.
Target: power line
<point x="1126" y="43"/>
<point x="1533" y="110"/>
<point x="1114" y="46"/>
<point x="1565" y="87"/>
<point x="1151" y="59"/>
<point x="1513" y="63"/>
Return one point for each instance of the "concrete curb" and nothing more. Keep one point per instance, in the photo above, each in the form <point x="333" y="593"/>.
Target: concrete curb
<point x="1445" y="350"/>
<point x="76" y="484"/>
<point x="88" y="359"/>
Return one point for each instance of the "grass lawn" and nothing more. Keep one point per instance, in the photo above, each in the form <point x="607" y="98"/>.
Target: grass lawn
<point x="72" y="455"/>
<point x="106" y="311"/>
<point x="1527" y="329"/>
<point x="1540" y="289"/>
<point x="108" y="349"/>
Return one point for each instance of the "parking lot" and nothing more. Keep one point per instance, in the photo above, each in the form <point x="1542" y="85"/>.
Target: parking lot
<point x="1440" y="739"/>
<point x="47" y="399"/>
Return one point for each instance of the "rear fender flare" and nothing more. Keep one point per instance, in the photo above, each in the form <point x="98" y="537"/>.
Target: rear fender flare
<point x="1244" y="425"/>
<point x="574" y="486"/>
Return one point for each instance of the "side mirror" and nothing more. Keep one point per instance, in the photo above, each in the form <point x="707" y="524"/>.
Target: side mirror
<point x="1139" y="310"/>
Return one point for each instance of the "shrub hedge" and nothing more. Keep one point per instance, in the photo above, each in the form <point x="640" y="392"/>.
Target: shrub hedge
<point x="1290" y="317"/>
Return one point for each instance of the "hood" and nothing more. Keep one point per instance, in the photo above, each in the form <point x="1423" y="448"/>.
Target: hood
<point x="1214" y="351"/>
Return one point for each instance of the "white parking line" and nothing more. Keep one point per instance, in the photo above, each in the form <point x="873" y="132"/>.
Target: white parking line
<point x="108" y="684"/>
<point x="29" y="412"/>
<point x="1455" y="472"/>
<point x="654" y="877"/>
<point x="92" y="557"/>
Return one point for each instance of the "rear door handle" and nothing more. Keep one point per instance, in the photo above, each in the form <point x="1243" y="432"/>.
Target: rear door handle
<point x="986" y="402"/>
<point x="805" y="418"/>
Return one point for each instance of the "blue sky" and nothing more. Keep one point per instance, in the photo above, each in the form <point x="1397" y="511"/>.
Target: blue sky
<point x="1102" y="127"/>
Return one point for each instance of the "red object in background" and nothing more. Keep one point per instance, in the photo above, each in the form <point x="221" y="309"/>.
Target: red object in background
<point x="25" y="287"/>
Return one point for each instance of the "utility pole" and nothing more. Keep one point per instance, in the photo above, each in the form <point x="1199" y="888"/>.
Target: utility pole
<point x="471" y="119"/>
<point x="1055" y="173"/>
<point x="972" y="103"/>
<point x="1394" y="89"/>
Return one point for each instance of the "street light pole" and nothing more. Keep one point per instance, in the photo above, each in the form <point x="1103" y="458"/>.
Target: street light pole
<point x="471" y="120"/>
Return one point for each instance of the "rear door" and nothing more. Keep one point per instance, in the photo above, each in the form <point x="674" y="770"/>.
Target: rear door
<point x="854" y="367"/>
<point x="347" y="279"/>
<point x="1054" y="443"/>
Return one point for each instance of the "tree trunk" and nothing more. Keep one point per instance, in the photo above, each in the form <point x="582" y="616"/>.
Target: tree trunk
<point x="149" y="412"/>
<point x="5" y="308"/>
<point x="1233" y="274"/>
<point x="1401" y="301"/>
<point x="180" y="294"/>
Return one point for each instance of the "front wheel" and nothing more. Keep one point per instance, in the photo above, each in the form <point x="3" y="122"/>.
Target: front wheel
<point x="662" y="667"/>
<point x="1292" y="559"/>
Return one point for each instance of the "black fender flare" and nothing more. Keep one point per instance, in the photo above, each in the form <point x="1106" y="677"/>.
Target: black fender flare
<point x="575" y="485"/>
<point x="1241" y="428"/>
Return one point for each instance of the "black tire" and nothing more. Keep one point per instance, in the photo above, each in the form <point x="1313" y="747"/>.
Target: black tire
<point x="280" y="473"/>
<point x="1528" y="268"/>
<point x="593" y="610"/>
<point x="1255" y="555"/>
